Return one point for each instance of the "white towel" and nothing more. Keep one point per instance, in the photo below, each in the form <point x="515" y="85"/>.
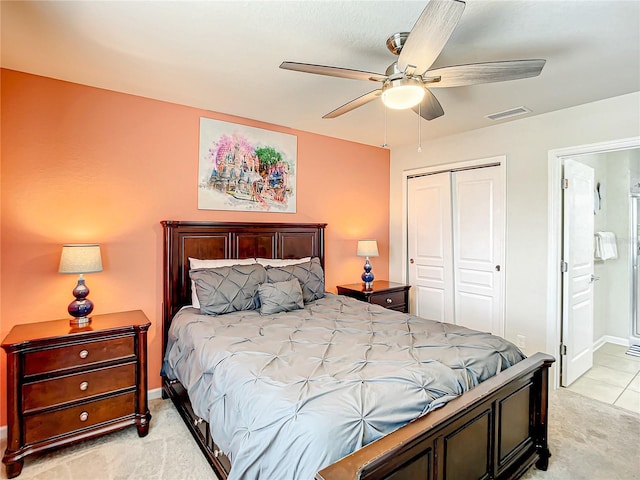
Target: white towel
<point x="605" y="246"/>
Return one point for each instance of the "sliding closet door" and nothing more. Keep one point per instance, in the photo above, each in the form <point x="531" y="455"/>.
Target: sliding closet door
<point x="455" y="241"/>
<point x="429" y="246"/>
<point x="478" y="234"/>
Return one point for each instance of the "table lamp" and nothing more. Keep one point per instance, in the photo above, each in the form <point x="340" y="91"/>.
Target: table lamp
<point x="367" y="248"/>
<point x="80" y="258"/>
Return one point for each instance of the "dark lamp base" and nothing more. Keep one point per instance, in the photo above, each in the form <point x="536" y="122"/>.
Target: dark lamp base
<point x="81" y="307"/>
<point x="367" y="276"/>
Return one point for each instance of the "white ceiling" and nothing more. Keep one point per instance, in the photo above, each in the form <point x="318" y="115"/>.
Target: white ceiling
<point x="224" y="56"/>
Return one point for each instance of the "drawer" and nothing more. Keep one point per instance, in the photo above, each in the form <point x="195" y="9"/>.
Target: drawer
<point x="77" y="355"/>
<point x="60" y="390"/>
<point x="51" y="424"/>
<point x="389" y="299"/>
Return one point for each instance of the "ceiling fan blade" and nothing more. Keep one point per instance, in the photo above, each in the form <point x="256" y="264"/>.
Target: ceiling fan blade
<point x="355" y="103"/>
<point x="489" y="72"/>
<point x="430" y="107"/>
<point x="333" y="71"/>
<point x="430" y="34"/>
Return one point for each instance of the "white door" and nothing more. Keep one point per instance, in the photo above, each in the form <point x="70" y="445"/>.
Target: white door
<point x="455" y="233"/>
<point x="429" y="246"/>
<point x="478" y="243"/>
<point x="577" y="281"/>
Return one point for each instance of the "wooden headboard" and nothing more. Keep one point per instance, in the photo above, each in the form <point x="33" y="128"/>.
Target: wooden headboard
<point x="211" y="240"/>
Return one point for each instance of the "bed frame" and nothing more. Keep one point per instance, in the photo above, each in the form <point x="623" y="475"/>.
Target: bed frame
<point x="496" y="431"/>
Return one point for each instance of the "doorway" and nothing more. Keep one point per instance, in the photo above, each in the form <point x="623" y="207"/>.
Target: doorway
<point x="604" y="343"/>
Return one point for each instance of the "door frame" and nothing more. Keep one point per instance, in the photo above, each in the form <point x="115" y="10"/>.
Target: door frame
<point x="499" y="161"/>
<point x="555" y="162"/>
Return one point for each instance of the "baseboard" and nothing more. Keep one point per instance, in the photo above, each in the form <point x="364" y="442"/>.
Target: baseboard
<point x="154" y="394"/>
<point x="151" y="395"/>
<point x="610" y="339"/>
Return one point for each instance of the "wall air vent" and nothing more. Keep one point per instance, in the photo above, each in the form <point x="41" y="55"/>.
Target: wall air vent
<point x="512" y="112"/>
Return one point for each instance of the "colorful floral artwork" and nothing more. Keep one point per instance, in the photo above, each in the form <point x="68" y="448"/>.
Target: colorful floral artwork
<point x="246" y="168"/>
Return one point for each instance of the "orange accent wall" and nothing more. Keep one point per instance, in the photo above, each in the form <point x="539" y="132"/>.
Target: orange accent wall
<point x="81" y="164"/>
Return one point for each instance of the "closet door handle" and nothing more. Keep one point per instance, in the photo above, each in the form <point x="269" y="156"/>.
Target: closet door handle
<point x="497" y="268"/>
<point x="411" y="260"/>
<point x="594" y="278"/>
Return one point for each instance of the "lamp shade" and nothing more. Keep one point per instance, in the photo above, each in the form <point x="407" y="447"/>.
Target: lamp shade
<point x="80" y="258"/>
<point x="367" y="248"/>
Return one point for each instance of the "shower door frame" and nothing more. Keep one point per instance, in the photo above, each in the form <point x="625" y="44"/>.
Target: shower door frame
<point x="634" y="334"/>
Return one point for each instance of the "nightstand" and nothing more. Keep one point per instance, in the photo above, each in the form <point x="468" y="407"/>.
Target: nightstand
<point x="394" y="296"/>
<point x="67" y="384"/>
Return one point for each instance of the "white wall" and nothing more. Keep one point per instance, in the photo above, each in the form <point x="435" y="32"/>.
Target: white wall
<point x="526" y="144"/>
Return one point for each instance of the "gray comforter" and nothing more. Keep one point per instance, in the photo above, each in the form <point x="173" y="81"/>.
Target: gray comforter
<point x="288" y="394"/>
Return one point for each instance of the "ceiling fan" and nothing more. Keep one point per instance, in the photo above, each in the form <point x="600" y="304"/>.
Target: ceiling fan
<point x="407" y="81"/>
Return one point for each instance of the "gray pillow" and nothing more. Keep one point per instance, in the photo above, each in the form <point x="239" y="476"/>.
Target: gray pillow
<point x="280" y="297"/>
<point x="228" y="289"/>
<point x="309" y="274"/>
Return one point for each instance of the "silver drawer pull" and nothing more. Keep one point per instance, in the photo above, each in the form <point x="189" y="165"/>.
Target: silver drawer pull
<point x="389" y="300"/>
<point x="84" y="354"/>
<point x="84" y="386"/>
<point x="198" y="421"/>
<point x="84" y="416"/>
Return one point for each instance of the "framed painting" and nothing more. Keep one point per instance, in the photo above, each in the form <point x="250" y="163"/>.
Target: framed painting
<point x="246" y="168"/>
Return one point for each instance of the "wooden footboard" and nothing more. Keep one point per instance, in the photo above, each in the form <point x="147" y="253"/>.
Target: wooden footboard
<point x="497" y="431"/>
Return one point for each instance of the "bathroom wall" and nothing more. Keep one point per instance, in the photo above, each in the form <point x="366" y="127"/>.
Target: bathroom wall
<point x="612" y="293"/>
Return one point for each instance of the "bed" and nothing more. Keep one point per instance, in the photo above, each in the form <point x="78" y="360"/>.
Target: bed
<point x="496" y="430"/>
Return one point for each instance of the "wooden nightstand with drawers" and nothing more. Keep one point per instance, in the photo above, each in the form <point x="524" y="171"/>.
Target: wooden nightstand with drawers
<point x="67" y="384"/>
<point x="394" y="296"/>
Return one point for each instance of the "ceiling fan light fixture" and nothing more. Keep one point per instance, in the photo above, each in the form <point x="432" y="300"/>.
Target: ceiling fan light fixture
<point x="402" y="93"/>
<point x="406" y="83"/>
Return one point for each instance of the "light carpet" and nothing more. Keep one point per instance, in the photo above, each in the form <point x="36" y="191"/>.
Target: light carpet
<point x="168" y="452"/>
<point x="588" y="440"/>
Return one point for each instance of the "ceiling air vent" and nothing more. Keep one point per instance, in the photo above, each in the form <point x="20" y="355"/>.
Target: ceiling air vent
<point x="512" y="112"/>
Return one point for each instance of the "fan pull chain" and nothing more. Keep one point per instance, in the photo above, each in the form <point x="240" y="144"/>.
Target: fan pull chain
<point x="385" y="144"/>
<point x="419" y="131"/>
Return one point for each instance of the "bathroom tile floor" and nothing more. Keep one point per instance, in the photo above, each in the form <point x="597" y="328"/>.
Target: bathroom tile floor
<point x="614" y="378"/>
